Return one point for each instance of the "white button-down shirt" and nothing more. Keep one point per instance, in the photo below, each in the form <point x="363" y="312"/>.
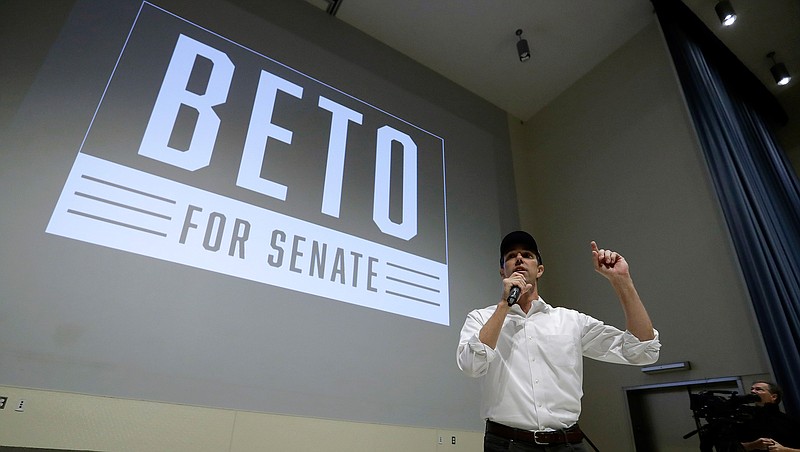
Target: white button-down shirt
<point x="533" y="379"/>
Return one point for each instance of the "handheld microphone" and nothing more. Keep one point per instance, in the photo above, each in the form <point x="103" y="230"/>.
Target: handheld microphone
<point x="513" y="294"/>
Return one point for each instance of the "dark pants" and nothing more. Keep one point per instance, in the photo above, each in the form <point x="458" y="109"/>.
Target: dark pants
<point x="494" y="443"/>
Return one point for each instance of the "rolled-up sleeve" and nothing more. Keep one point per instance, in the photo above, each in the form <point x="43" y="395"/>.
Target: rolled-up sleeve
<point x="606" y="343"/>
<point x="640" y="352"/>
<point x="473" y="356"/>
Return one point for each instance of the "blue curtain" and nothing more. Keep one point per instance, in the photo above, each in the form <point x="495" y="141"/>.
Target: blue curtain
<point x="734" y="114"/>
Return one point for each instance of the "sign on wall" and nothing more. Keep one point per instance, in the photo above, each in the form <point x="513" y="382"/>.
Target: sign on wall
<point x="206" y="153"/>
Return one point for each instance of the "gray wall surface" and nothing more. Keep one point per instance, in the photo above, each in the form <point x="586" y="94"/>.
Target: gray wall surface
<point x="614" y="159"/>
<point x="92" y="319"/>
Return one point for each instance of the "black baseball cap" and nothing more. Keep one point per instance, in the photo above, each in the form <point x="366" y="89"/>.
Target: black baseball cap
<point x="517" y="238"/>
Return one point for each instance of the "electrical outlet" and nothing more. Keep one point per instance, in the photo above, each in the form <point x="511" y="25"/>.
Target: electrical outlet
<point x="441" y="439"/>
<point x="20" y="406"/>
<point x="3" y="401"/>
<point x="453" y="440"/>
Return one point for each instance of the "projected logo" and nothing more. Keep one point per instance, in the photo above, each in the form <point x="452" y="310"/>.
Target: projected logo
<point x="206" y="153"/>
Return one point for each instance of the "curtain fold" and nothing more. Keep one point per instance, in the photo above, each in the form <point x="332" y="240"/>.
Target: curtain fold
<point x="758" y="191"/>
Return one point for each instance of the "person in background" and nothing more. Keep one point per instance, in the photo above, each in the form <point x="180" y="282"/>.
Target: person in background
<point x="529" y="354"/>
<point x="770" y="428"/>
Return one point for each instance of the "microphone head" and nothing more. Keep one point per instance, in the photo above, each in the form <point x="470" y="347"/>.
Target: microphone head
<point x="513" y="295"/>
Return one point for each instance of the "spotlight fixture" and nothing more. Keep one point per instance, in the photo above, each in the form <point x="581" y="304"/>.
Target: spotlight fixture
<point x="725" y="12"/>
<point x="779" y="71"/>
<point x="522" y="47"/>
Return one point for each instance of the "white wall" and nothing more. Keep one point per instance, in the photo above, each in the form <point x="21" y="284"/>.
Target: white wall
<point x="58" y="420"/>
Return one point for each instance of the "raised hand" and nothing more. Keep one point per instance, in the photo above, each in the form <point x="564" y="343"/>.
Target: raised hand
<point x="609" y="263"/>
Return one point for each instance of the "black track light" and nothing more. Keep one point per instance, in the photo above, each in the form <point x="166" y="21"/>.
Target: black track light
<point x="779" y="71"/>
<point x="725" y="12"/>
<point x="523" y="50"/>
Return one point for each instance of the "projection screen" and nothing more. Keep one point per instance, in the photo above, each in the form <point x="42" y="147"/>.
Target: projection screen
<point x="202" y="206"/>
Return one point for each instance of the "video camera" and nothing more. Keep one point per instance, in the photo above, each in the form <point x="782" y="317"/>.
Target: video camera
<point x="722" y="411"/>
<point x="710" y="405"/>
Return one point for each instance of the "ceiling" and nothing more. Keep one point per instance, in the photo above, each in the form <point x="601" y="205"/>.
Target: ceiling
<point x="472" y="42"/>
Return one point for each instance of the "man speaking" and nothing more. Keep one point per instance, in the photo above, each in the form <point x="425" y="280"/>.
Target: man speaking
<point x="529" y="353"/>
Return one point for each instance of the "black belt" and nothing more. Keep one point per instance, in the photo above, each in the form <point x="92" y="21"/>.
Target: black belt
<point x="570" y="435"/>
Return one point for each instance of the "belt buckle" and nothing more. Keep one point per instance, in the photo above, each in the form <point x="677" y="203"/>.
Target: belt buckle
<point x="536" y="437"/>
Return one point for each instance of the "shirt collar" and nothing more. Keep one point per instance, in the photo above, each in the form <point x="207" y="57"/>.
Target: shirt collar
<point x="537" y="306"/>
